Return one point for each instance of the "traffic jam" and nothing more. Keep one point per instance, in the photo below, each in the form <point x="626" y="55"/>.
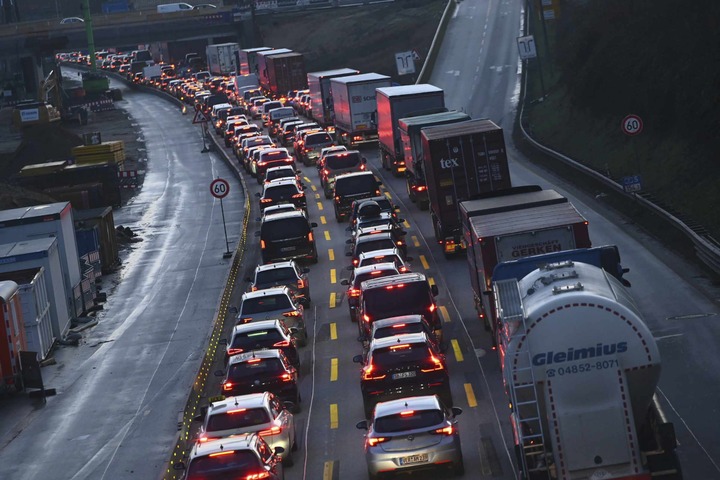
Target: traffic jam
<point x="528" y="251"/>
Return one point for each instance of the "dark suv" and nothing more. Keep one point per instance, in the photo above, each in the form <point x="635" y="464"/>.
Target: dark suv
<point x="361" y="274"/>
<point x="282" y="190"/>
<point x="309" y="151"/>
<point x="403" y="366"/>
<point x="404" y="294"/>
<point x="261" y="371"/>
<point x="350" y="187"/>
<point x="285" y="236"/>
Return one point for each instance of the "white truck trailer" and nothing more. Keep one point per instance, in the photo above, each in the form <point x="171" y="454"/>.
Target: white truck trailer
<point x="581" y="368"/>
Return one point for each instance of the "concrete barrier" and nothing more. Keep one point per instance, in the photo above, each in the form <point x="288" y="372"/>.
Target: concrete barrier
<point x="436" y="43"/>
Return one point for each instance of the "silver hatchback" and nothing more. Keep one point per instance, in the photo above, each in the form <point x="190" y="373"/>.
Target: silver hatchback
<point x="413" y="433"/>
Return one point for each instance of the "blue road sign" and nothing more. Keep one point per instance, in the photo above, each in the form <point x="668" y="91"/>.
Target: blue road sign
<point x="632" y="183"/>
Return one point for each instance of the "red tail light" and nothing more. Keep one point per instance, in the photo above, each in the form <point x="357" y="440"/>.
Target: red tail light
<point x="298" y="195"/>
<point x="366" y="318"/>
<point x="301" y="283"/>
<point x="262" y="243"/>
<point x="436" y="364"/>
<point x="362" y="167"/>
<point x="449" y="430"/>
<point x="265" y="200"/>
<point x="355" y="262"/>
<point x="227" y="386"/>
<point x="432" y="307"/>
<point x="271" y="431"/>
<point x="257" y="476"/>
<point x="286" y="377"/>
<point x="293" y="313"/>
<point x="354" y="292"/>
<point x="311" y="237"/>
<point x="368" y="373"/>
<point x="326" y="171"/>
<point x="234" y="351"/>
<point x="283" y="343"/>
<point x="372" y="441"/>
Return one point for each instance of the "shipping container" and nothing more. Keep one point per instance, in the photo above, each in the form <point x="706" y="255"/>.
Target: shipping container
<point x="248" y="60"/>
<point x="285" y="72"/>
<point x="260" y="58"/>
<point x="321" y="95"/>
<point x="71" y="175"/>
<point x="103" y="219"/>
<point x="355" y="107"/>
<point x="222" y="58"/>
<point x="35" y="304"/>
<point x="42" y="252"/>
<point x="12" y="342"/>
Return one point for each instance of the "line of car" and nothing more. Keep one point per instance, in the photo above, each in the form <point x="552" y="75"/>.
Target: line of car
<point x="410" y="421"/>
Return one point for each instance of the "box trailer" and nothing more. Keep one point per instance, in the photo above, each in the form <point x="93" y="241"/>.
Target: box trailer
<point x="12" y="342"/>
<point x="247" y="60"/>
<point x="285" y="72"/>
<point x="355" y="107"/>
<point x="321" y="99"/>
<point x="222" y="58"/>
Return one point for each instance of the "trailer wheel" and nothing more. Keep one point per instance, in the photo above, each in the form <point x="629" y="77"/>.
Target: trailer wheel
<point x="424" y="205"/>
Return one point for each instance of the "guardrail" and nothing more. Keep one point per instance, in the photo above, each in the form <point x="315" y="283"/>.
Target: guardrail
<point x="707" y="248"/>
<point x="429" y="63"/>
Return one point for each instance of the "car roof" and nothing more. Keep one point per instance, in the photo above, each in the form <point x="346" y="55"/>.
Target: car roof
<point x="281" y="167"/>
<point x="392" y="280"/>
<point x="282" y="207"/>
<point x="352" y="175"/>
<point x="243" y="441"/>
<point x="269" y="353"/>
<point x="280" y="182"/>
<point x="263" y="292"/>
<point x="386" y="342"/>
<point x="259" y="325"/>
<point x="368" y="229"/>
<point x="372" y="237"/>
<point x="252" y="400"/>
<point x="393" y="407"/>
<point x="284" y="216"/>
<point x="375" y="266"/>
<point x="387" y="322"/>
<point x="273" y="266"/>
<point x="378" y="253"/>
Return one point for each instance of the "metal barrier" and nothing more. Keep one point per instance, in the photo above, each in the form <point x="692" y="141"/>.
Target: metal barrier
<point x="429" y="63"/>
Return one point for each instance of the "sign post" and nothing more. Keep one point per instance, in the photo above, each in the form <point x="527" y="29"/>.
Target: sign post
<point x="527" y="50"/>
<point x="219" y="188"/>
<point x="631" y="126"/>
<point x="203" y="120"/>
<point x="405" y="62"/>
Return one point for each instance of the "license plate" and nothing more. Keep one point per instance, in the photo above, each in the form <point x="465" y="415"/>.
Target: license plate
<point x="397" y="376"/>
<point x="412" y="459"/>
<point x="287" y="249"/>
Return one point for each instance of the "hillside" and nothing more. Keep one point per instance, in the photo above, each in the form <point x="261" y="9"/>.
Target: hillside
<point x="656" y="59"/>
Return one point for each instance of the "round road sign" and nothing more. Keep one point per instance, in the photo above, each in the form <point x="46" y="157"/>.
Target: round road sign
<point x="632" y="125"/>
<point x="219" y="188"/>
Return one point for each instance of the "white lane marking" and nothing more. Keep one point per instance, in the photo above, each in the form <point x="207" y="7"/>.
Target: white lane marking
<point x="312" y="396"/>
<point x="663" y="337"/>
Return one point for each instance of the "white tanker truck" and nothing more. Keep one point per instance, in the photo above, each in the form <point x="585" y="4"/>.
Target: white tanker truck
<point x="580" y="368"/>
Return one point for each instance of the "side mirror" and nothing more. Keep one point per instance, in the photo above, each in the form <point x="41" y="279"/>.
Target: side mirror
<point x="313" y="225"/>
<point x="362" y="425"/>
<point x="379" y="182"/>
<point x="179" y="466"/>
<point x="349" y="268"/>
<point x="257" y="219"/>
<point x="293" y="330"/>
<point x="456" y="411"/>
<point x="348" y="229"/>
<point x="363" y="160"/>
<point x="358" y="359"/>
<point x="399" y="220"/>
<point x="409" y="259"/>
<point x="248" y="279"/>
<point x="434" y="290"/>
<point x="305" y="270"/>
<point x="234" y="310"/>
<point x="345" y="282"/>
<point x="396" y="209"/>
<point x="223" y="341"/>
<point x="219" y="373"/>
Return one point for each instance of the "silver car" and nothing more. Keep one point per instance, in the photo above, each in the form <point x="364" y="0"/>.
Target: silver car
<point x="413" y="433"/>
<point x="270" y="304"/>
<point x="260" y="413"/>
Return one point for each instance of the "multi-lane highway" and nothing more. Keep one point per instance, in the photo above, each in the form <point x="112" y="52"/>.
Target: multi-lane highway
<point x="122" y="392"/>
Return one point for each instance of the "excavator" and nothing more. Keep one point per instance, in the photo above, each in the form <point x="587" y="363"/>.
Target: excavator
<point x="44" y="110"/>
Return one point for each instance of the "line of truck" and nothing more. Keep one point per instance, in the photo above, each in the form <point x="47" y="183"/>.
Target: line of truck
<point x="580" y="367"/>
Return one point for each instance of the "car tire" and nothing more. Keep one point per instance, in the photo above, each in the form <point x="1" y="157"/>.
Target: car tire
<point x="446" y="397"/>
<point x="328" y="195"/>
<point x="459" y="467"/>
<point x="367" y="408"/>
<point x="372" y="476"/>
<point x="353" y="317"/>
<point x="294" y="445"/>
<point x="288" y="461"/>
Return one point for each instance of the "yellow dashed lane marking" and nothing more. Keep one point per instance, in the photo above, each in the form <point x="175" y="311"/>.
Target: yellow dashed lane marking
<point x="456" y="349"/>
<point x="431" y="281"/>
<point x="314" y="188"/>
<point x="327" y="235"/>
<point x="424" y="262"/>
<point x="317" y="195"/>
<point x="445" y="314"/>
<point x="333" y="276"/>
<point x="307" y="179"/>
<point x="320" y="207"/>
<point x="415" y="240"/>
<point x="328" y="470"/>
<point x="470" y="395"/>
<point x="333" y="416"/>
<point x="333" y="369"/>
<point x="407" y="225"/>
<point x="333" y="331"/>
<point x="331" y="254"/>
<point x="323" y="220"/>
<point x="387" y="194"/>
<point x="332" y="300"/>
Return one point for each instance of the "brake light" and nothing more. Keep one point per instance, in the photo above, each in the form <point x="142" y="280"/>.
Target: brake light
<point x="376" y="272"/>
<point x="354" y="292"/>
<point x="234" y="351"/>
<point x="435" y="365"/>
<point x="407" y="413"/>
<point x="362" y="167"/>
<point x="326" y="171"/>
<point x="366" y="318"/>
<point x="298" y="195"/>
<point x="255" y="360"/>
<point x="402" y="346"/>
<point x="282" y="343"/>
<point x="224" y="452"/>
<point x="355" y="262"/>
<point x="421" y="188"/>
<point x="368" y="375"/>
<point x="337" y="198"/>
<point x="265" y="200"/>
<point x="227" y="386"/>
<point x="403" y="269"/>
<point x="311" y="237"/>
<point x="293" y="313"/>
<point x="258" y="476"/>
<point x="372" y="441"/>
<point x="301" y="283"/>
<point x="271" y="431"/>
<point x="432" y="307"/>
<point x="449" y="430"/>
<point x="262" y="243"/>
<point x="286" y="377"/>
<point x="399" y="325"/>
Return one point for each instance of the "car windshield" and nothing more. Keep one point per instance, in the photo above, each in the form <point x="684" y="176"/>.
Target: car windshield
<point x="273" y="156"/>
<point x="257" y="339"/>
<point x="400" y="354"/>
<point x="391" y="258"/>
<point x="317" y="139"/>
<point x="373" y="222"/>
<point x="231" y="464"/>
<point x="281" y="192"/>
<point x="397" y="329"/>
<point x="266" y="303"/>
<point x="274" y="275"/>
<point x="402" y="299"/>
<point x="282" y="173"/>
<point x="408" y="420"/>
<point x="371" y="245"/>
<point x="342" y="160"/>
<point x="356" y="184"/>
<point x="286" y="228"/>
<point x="254" y="142"/>
<point x="255" y="368"/>
<point x="237" y="418"/>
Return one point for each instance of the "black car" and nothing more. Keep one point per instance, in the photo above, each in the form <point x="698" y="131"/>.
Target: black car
<point x="350" y="187"/>
<point x="361" y="274"/>
<point x="261" y="371"/>
<point x="384" y="205"/>
<point x="282" y="190"/>
<point x="288" y="235"/>
<point x="403" y="366"/>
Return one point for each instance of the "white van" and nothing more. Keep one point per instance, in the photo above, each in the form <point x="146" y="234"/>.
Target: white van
<point x="174" y="7"/>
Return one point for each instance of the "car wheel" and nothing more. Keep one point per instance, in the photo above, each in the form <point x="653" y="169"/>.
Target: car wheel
<point x="368" y="407"/>
<point x="446" y="397"/>
<point x="294" y="444"/>
<point x="353" y="317"/>
<point x="259" y="180"/>
<point x="373" y="476"/>
<point x="328" y="195"/>
<point x="288" y="461"/>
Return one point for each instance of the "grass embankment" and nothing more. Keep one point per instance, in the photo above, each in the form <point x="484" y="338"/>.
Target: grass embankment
<point x="365" y="38"/>
<point x="609" y="58"/>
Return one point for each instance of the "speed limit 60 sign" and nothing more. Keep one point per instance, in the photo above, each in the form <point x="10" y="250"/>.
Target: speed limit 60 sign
<point x="632" y="125"/>
<point x="219" y="188"/>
